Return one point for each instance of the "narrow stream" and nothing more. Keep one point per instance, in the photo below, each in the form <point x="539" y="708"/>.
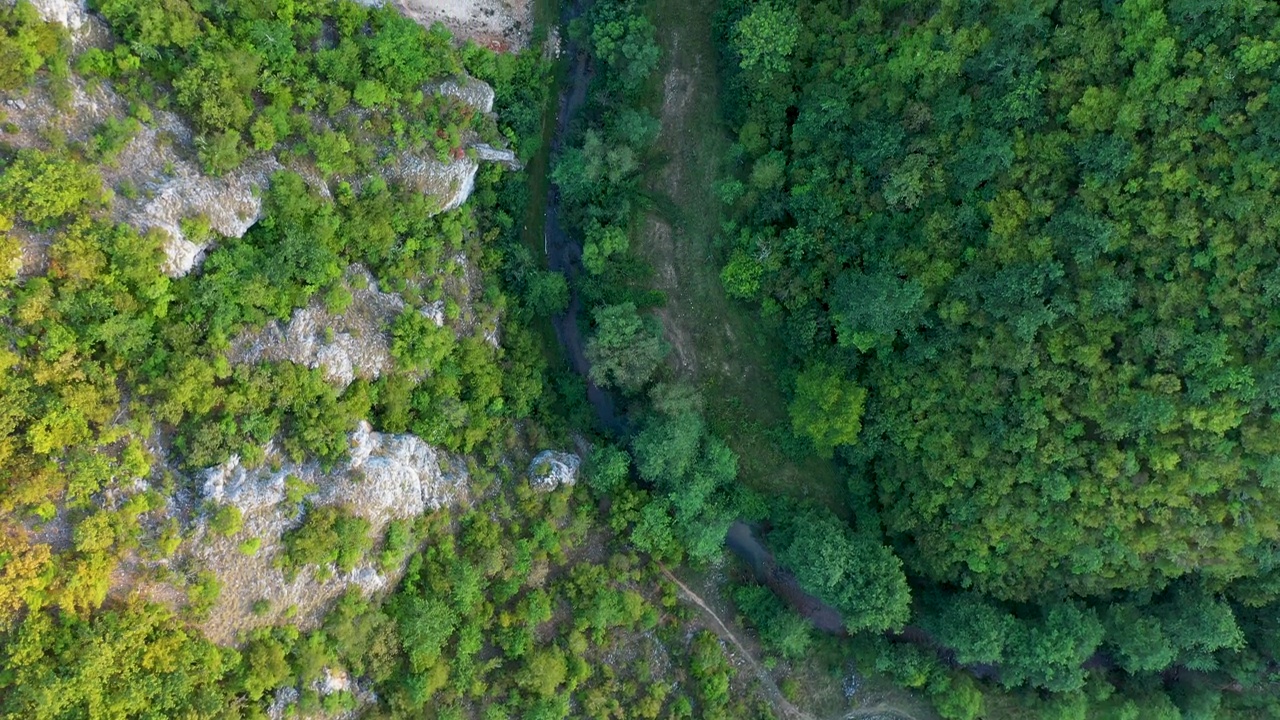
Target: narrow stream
<point x="564" y="255"/>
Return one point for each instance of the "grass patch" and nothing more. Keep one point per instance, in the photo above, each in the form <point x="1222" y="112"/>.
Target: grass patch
<point x="721" y="345"/>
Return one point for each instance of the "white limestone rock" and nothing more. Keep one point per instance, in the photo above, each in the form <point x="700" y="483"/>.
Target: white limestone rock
<point x="476" y="93"/>
<point x="551" y="469"/>
<point x="73" y="14"/>
<point x="496" y="24"/>
<point x="505" y="156"/>
<point x="450" y="182"/>
<point x="387" y="477"/>
<point x="352" y="344"/>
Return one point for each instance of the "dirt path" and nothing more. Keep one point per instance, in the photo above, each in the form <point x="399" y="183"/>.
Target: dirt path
<point x="782" y="707"/>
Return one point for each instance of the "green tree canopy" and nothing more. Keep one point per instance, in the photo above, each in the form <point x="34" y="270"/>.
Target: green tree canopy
<point x="626" y="348"/>
<point x="827" y="409"/>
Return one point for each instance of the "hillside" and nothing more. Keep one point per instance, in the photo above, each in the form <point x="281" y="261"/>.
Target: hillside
<point x="276" y="438"/>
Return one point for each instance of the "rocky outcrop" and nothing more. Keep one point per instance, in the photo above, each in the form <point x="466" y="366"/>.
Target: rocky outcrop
<point x="551" y="470"/>
<point x="469" y="91"/>
<point x="450" y="182"/>
<point x="74" y="14"/>
<point x="345" y="346"/>
<point x="160" y="184"/>
<point x="158" y="180"/>
<point x="499" y="155"/>
<point x="387" y="477"/>
<point x="496" y="24"/>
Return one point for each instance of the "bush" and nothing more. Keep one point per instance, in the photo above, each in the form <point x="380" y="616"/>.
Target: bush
<point x="330" y="534"/>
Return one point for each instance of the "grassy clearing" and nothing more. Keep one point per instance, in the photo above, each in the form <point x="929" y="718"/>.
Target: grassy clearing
<point x="719" y="344"/>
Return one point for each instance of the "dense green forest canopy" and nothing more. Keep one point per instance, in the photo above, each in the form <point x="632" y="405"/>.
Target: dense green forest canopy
<point x="1041" y="236"/>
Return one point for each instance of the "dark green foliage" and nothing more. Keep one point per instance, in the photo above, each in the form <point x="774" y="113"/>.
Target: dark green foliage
<point x="692" y="470"/>
<point x="1048" y="651"/>
<point x="622" y="37"/>
<point x="548" y="293"/>
<point x="856" y="574"/>
<point x="1034" y="236"/>
<point x="780" y="628"/>
<point x="608" y="468"/>
<point x="626" y="348"/>
<point x="976" y="629"/>
<point x="1015" y="230"/>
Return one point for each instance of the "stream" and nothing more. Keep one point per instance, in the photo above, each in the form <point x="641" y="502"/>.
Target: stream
<point x="564" y="255"/>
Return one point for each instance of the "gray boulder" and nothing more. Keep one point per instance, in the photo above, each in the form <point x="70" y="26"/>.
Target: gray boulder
<point x="551" y="469"/>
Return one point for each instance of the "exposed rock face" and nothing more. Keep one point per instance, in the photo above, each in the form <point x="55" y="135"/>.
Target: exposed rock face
<point x="505" y="156"/>
<point x="168" y="186"/>
<point x="231" y="204"/>
<point x="551" y="469"/>
<point x="469" y="91"/>
<point x="387" y="477"/>
<point x="497" y="24"/>
<point x="451" y="182"/>
<point x="353" y="344"/>
<point x="72" y="13"/>
<point x="157" y="164"/>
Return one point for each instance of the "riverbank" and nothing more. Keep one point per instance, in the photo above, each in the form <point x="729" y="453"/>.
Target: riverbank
<point x="719" y="345"/>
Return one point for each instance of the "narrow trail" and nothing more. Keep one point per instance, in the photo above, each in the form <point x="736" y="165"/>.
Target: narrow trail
<point x="781" y="705"/>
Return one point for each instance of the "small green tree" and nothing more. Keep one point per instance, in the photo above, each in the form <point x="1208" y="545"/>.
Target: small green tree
<point x="547" y="293"/>
<point x="227" y="521"/>
<point x="626" y="348"/>
<point x="827" y="409"/>
<point x="417" y="343"/>
<point x="765" y="38"/>
<point x="607" y="468"/>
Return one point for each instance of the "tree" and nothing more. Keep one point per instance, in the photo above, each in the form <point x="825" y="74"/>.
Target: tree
<point x="41" y="188"/>
<point x="1198" y="624"/>
<point x="548" y="293"/>
<point x="857" y="575"/>
<point x="23" y="573"/>
<point x="425" y="625"/>
<point x="765" y="39"/>
<point x="1047" y="651"/>
<point x="544" y="672"/>
<point x="1138" y="638"/>
<point x="626" y="349"/>
<point x="601" y="243"/>
<point x="27" y="43"/>
<point x="976" y="629"/>
<point x="781" y="629"/>
<point x="607" y="469"/>
<point x="623" y="38"/>
<point x="417" y="343"/>
<point x="827" y="409"/>
<point x="870" y="310"/>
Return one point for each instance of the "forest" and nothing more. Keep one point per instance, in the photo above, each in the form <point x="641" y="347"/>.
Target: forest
<point x="1022" y="258"/>
<point x="1014" y="259"/>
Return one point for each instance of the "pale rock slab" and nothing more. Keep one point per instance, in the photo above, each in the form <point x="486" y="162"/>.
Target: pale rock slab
<point x="551" y="470"/>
